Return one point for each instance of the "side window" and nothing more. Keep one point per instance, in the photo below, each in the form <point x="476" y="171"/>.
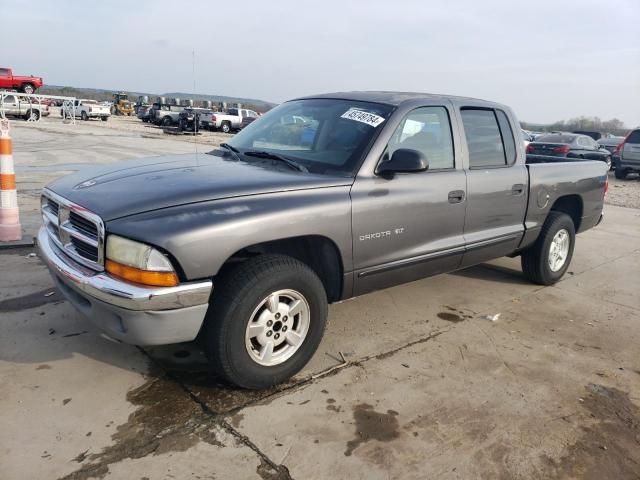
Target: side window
<point x="507" y="136"/>
<point x="428" y="130"/>
<point x="4" y="72"/>
<point x="583" y="142"/>
<point x="483" y="138"/>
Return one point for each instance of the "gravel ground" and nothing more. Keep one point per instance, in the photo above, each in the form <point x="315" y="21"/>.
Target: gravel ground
<point x="134" y="125"/>
<point x="624" y="193"/>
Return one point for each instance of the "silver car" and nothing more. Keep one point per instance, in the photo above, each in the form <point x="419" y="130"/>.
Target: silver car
<point x="629" y="155"/>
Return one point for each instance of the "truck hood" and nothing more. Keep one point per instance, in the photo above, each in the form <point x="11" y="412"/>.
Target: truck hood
<point x="137" y="186"/>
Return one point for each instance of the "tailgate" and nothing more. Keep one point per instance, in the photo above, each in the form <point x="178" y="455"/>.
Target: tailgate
<point x="631" y="153"/>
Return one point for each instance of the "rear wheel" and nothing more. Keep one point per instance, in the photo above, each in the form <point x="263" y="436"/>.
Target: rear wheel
<point x="33" y="115"/>
<point x="225" y="127"/>
<point x="265" y="321"/>
<point x="548" y="259"/>
<point x="621" y="173"/>
<point x="104" y="119"/>
<point x="609" y="163"/>
<point x="166" y="121"/>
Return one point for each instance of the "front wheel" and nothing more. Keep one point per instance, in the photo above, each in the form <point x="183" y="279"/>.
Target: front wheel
<point x="609" y="163"/>
<point x="28" y="88"/>
<point x="265" y="321"/>
<point x="104" y="119"/>
<point x="166" y="121"/>
<point x="84" y="116"/>
<point x="548" y="259"/>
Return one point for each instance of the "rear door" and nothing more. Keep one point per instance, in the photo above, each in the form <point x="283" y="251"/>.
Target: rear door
<point x="410" y="226"/>
<point x="631" y="149"/>
<point x="497" y="186"/>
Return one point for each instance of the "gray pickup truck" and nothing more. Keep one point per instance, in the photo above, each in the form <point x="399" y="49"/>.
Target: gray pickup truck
<point x="322" y="199"/>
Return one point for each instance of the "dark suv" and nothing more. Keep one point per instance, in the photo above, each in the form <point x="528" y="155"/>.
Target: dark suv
<point x="628" y="160"/>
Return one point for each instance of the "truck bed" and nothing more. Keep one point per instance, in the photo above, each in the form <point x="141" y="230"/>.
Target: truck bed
<point x="548" y="180"/>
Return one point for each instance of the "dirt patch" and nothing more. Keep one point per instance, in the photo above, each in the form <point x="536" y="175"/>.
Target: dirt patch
<point x="167" y="420"/>
<point x="267" y="472"/>
<point x="610" y="444"/>
<point x="450" y="317"/>
<point x="372" y="425"/>
<point x="32" y="300"/>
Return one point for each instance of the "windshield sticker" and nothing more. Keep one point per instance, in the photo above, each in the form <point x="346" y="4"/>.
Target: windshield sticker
<point x="370" y="119"/>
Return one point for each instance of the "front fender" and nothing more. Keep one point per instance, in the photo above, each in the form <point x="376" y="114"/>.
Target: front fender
<point x="202" y="236"/>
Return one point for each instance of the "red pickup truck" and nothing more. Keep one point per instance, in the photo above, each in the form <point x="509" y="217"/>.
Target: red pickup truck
<point x="10" y="81"/>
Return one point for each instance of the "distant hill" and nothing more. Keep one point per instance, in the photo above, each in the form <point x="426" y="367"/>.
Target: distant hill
<point x="102" y="95"/>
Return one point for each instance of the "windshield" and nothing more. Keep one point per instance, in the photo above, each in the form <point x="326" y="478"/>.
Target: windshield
<point x="323" y="135"/>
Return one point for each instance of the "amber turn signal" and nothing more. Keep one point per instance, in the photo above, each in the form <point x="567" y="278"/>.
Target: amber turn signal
<point x="144" y="277"/>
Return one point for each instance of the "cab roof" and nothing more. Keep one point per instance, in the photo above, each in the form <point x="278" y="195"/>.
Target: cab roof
<point x="394" y="98"/>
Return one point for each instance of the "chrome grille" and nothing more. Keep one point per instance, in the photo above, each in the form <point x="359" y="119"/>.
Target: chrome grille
<point x="75" y="230"/>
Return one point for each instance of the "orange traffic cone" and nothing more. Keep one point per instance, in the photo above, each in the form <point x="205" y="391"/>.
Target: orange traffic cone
<point x="10" y="228"/>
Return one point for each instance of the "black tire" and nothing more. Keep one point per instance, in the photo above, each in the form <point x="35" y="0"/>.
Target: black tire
<point x="32" y="115"/>
<point x="84" y="116"/>
<point x="240" y="292"/>
<point x="225" y="127"/>
<point x="535" y="260"/>
<point x="28" y="88"/>
<point x="104" y="119"/>
<point x="621" y="173"/>
<point x="166" y="121"/>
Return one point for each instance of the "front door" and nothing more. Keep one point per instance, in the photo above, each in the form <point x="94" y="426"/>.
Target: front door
<point x="410" y="226"/>
<point x="496" y="186"/>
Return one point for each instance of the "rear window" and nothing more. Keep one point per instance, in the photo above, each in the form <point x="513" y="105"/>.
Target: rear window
<point x="556" y="138"/>
<point x="634" y="137"/>
<point x="483" y="138"/>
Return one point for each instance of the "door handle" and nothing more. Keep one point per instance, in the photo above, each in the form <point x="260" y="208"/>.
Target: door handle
<point x="456" y="196"/>
<point x="517" y="189"/>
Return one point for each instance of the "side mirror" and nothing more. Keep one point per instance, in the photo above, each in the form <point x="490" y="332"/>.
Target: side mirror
<point x="403" y="160"/>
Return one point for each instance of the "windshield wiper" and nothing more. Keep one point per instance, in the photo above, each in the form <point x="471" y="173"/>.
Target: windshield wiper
<point x="232" y="149"/>
<point x="272" y="156"/>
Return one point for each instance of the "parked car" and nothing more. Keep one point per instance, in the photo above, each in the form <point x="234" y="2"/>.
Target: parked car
<point x="594" y="135"/>
<point x="144" y="112"/>
<point x="569" y="145"/>
<point x="24" y="84"/>
<point x="24" y="107"/>
<point x="86" y="109"/>
<point x="246" y="121"/>
<point x="164" y="114"/>
<point x="243" y="248"/>
<point x="232" y="120"/>
<point x="628" y="155"/>
<point x="611" y="144"/>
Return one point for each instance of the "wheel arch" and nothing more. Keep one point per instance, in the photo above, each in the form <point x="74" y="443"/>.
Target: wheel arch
<point x="318" y="252"/>
<point x="572" y="205"/>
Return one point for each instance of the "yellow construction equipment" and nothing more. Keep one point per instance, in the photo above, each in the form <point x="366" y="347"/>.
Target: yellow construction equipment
<point x="121" y="104"/>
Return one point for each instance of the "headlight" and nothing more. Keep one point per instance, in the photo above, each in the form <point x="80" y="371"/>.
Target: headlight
<point x="139" y="263"/>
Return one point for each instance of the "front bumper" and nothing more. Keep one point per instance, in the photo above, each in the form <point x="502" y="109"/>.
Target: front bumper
<point x="131" y="313"/>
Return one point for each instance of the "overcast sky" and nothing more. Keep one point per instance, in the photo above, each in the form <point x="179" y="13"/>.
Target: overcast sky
<point x="549" y="60"/>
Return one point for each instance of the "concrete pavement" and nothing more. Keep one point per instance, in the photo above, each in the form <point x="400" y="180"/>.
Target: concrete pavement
<point x="433" y="388"/>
